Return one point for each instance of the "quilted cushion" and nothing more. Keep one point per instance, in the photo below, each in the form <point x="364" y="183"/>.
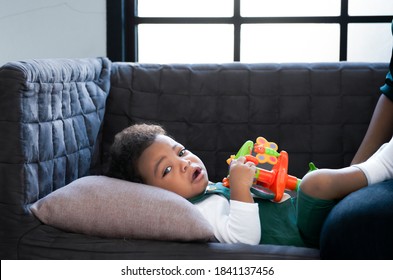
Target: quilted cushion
<point x="51" y="112"/>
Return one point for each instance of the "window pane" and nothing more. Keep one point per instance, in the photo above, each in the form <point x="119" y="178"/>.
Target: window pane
<point x="277" y="8"/>
<point x="185" y="8"/>
<point x="290" y="43"/>
<point x="369" y="42"/>
<point x="370" y="7"/>
<point x="185" y="43"/>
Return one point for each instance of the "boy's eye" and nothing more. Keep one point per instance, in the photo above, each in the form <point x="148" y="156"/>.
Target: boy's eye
<point x="182" y="152"/>
<point x="166" y="171"/>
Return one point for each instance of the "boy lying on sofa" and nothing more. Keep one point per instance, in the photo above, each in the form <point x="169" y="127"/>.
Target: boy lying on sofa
<point x="144" y="153"/>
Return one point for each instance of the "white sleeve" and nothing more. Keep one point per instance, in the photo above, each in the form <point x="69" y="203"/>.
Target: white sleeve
<point x="233" y="221"/>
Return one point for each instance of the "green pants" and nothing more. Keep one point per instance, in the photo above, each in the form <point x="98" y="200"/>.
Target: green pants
<point x="297" y="221"/>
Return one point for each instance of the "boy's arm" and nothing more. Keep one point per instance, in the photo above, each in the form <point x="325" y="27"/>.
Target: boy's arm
<point x="241" y="178"/>
<point x="232" y="222"/>
<point x="236" y="221"/>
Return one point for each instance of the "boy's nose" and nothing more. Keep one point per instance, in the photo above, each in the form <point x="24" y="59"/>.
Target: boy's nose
<point x="185" y="164"/>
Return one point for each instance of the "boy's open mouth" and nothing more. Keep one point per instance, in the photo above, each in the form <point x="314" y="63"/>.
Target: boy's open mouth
<point x="196" y="173"/>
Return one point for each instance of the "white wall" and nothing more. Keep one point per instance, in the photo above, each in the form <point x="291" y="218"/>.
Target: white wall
<point x="52" y="29"/>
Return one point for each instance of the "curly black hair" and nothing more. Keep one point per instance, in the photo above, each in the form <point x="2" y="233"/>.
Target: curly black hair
<point x="128" y="146"/>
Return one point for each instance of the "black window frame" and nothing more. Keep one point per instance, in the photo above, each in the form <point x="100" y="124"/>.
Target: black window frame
<point x="123" y="21"/>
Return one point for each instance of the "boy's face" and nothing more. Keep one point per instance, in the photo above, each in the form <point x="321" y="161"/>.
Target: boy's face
<point x="168" y="165"/>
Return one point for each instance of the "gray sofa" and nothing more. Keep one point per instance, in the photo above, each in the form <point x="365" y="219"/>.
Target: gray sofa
<point x="58" y="118"/>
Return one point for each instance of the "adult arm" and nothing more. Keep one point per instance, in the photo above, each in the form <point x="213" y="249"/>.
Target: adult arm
<point x="379" y="131"/>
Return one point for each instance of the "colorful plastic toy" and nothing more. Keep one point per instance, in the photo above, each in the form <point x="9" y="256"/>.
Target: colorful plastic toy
<point x="269" y="184"/>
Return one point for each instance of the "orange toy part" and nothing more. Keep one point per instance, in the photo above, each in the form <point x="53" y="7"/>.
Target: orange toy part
<point x="277" y="179"/>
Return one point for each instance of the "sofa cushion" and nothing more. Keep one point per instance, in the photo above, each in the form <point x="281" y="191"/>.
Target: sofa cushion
<point x="108" y="207"/>
<point x="46" y="242"/>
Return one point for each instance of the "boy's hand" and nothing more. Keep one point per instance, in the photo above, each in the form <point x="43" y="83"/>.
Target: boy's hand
<point x="241" y="178"/>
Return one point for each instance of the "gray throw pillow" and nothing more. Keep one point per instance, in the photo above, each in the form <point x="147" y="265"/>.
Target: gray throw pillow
<point x="108" y="207"/>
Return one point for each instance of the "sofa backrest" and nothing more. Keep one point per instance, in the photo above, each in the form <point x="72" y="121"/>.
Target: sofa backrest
<point x="316" y="112"/>
<point x="51" y="112"/>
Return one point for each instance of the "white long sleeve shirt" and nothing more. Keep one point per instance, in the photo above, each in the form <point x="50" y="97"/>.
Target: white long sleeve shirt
<point x="232" y="221"/>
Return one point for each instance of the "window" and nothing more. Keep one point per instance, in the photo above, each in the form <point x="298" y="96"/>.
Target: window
<point x="185" y="43"/>
<point x="219" y="31"/>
